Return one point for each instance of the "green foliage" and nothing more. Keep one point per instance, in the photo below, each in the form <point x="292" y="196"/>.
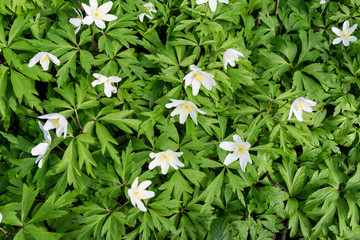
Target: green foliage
<point x="304" y="181"/>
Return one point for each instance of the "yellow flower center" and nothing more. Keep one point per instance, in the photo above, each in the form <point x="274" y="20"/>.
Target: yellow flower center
<point x="228" y="56"/>
<point x="56" y="122"/>
<point x="187" y="107"/>
<point x="199" y="76"/>
<point x="301" y="105"/>
<point x="165" y="158"/>
<point x="345" y="34"/>
<point x="148" y="8"/>
<point x="240" y="150"/>
<point x="138" y="193"/>
<point x="98" y="13"/>
<point x="46" y="59"/>
<point x="107" y="81"/>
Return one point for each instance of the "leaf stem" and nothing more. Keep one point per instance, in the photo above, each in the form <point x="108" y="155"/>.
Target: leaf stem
<point x="77" y="118"/>
<point x="277" y="184"/>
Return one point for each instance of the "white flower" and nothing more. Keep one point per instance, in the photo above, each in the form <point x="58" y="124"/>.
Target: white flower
<point x="197" y="77"/>
<point x="1" y="217"/>
<point x="322" y="1"/>
<point x="230" y="56"/>
<point x="98" y="14"/>
<point x="44" y="58"/>
<point x="136" y="193"/>
<point x="150" y="8"/>
<point x="165" y="159"/>
<point x="77" y="21"/>
<point x="212" y="3"/>
<point x="108" y="88"/>
<point x="55" y="120"/>
<point x="184" y="108"/>
<point x="40" y="149"/>
<point x="344" y="35"/>
<point x="299" y="105"/>
<point x="240" y="151"/>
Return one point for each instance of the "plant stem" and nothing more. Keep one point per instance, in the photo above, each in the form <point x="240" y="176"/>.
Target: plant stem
<point x="277" y="7"/>
<point x="77" y="118"/>
<point x="277" y="184"/>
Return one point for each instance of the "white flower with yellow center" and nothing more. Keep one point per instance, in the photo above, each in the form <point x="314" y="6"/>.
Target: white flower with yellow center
<point x="44" y="59"/>
<point x="136" y="193"/>
<point x="165" y="159"/>
<point x="230" y="56"/>
<point x="150" y="8"/>
<point x="344" y="35"/>
<point x="108" y="88"/>
<point x="212" y="3"/>
<point x="98" y="14"/>
<point x="40" y="149"/>
<point x="55" y="120"/>
<point x="197" y="77"/>
<point x="322" y="1"/>
<point x="240" y="151"/>
<point x="184" y="108"/>
<point x="299" y="105"/>
<point x="77" y="21"/>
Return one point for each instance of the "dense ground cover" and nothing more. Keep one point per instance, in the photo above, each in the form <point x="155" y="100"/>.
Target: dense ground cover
<point x="270" y="148"/>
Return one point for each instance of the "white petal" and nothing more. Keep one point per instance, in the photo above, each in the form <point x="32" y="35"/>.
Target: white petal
<point x="164" y="168"/>
<point x="193" y="117"/>
<point x="352" y="39"/>
<point x="1" y="217"/>
<point x="237" y="139"/>
<point x="198" y="2"/>
<point x="173" y="103"/>
<point x="336" y="31"/>
<point x="195" y="87"/>
<point x="148" y="194"/>
<point x="100" y="23"/>
<point x="45" y="64"/>
<point x="153" y="155"/>
<point x="96" y="82"/>
<point x="106" y="7"/>
<point x="33" y="60"/>
<point x="114" y="79"/>
<point x="141" y="17"/>
<point x="40" y="163"/>
<point x="290" y="113"/>
<point x="87" y="9"/>
<point x="213" y="4"/>
<point x="41" y="148"/>
<point x="230" y="158"/>
<point x="346" y="26"/>
<point x="75" y="21"/>
<point x="224" y="1"/>
<point x="176" y="111"/>
<point x="109" y="17"/>
<point x="107" y="89"/>
<point x="298" y="115"/>
<point x="352" y="29"/>
<point x="154" y="164"/>
<point x="346" y="42"/>
<point x="228" y="146"/>
<point x="183" y="117"/>
<point x="88" y="20"/>
<point x="93" y="4"/>
<point x="135" y="183"/>
<point x="140" y="205"/>
<point x="144" y="184"/>
<point x="54" y="59"/>
<point x="336" y="41"/>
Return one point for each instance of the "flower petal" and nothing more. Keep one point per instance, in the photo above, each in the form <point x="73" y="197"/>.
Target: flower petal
<point x="230" y="158"/>
<point x="195" y="87"/>
<point x="88" y="20"/>
<point x="336" y="41"/>
<point x="135" y="183"/>
<point x="213" y="4"/>
<point x="100" y="23"/>
<point x="336" y="31"/>
<point x="34" y="60"/>
<point x="148" y="194"/>
<point x="183" y="117"/>
<point x="154" y="164"/>
<point x="227" y="146"/>
<point x="346" y="26"/>
<point x="54" y="59"/>
<point x="144" y="184"/>
<point x="140" y="205"/>
<point x="164" y="168"/>
<point x="93" y="4"/>
<point x="41" y="148"/>
<point x="109" y="17"/>
<point x="193" y="117"/>
<point x="106" y="7"/>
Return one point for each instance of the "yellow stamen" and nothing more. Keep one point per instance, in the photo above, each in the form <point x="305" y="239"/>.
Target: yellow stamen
<point x="148" y="8"/>
<point x="46" y="59"/>
<point x="56" y="122"/>
<point x="240" y="150"/>
<point x="165" y="158"/>
<point x="187" y="107"/>
<point x="199" y="76"/>
<point x="107" y="80"/>
<point x="345" y="34"/>
<point x="98" y="13"/>
<point x="301" y="105"/>
<point x="228" y="56"/>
